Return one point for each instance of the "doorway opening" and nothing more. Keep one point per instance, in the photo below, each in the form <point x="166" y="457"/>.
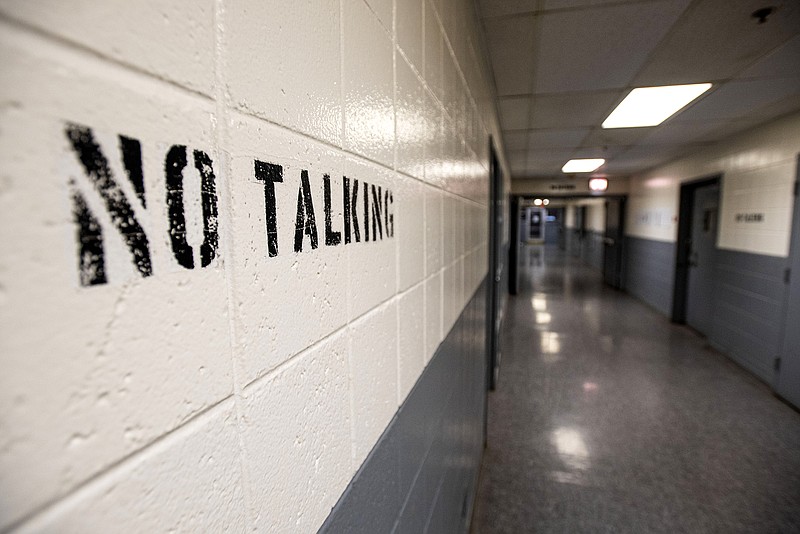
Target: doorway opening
<point x="698" y="225"/>
<point x="613" y="242"/>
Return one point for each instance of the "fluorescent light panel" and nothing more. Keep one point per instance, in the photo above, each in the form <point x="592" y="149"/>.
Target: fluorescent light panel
<point x="650" y="106"/>
<point x="582" y="165"/>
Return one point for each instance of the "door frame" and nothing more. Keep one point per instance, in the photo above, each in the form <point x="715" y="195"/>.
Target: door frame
<point x="620" y="274"/>
<point x="513" y="244"/>
<point x="792" y="273"/>
<point x="494" y="300"/>
<point x="683" y="245"/>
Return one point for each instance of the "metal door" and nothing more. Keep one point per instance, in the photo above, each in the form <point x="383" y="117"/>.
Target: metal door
<point x="703" y="244"/>
<point x="788" y="368"/>
<point x="576" y="239"/>
<point x="612" y="242"/>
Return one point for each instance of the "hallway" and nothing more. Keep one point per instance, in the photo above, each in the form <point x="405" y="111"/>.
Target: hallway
<point x="608" y="418"/>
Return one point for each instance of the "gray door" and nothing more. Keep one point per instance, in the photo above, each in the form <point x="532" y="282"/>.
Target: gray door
<point x="576" y="239"/>
<point x="612" y="242"/>
<point x="700" y="290"/>
<point x="788" y="383"/>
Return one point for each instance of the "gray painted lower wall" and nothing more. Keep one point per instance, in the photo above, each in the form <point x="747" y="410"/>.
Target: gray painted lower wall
<point x="650" y="272"/>
<point x="421" y="476"/>
<point x="592" y="249"/>
<point x="749" y="293"/>
<point x="552" y="231"/>
<point x="588" y="247"/>
<point x="573" y="241"/>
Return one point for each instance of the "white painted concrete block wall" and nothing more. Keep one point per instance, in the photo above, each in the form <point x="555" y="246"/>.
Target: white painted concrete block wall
<point x="595" y="214"/>
<point x="758" y="171"/>
<point x="244" y="394"/>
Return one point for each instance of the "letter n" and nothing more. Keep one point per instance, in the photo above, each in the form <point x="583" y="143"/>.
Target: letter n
<point x="91" y="249"/>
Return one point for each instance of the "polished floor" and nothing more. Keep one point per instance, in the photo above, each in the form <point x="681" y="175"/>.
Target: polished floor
<point x="608" y="418"/>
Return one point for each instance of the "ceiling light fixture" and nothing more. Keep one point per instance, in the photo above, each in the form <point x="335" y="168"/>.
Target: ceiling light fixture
<point x="582" y="165"/>
<point x="650" y="106"/>
<point x="598" y="184"/>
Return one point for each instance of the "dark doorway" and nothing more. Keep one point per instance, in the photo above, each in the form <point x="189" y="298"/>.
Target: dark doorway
<point x="613" y="241"/>
<point x="577" y="235"/>
<point x="693" y="300"/>
<point x="496" y="196"/>
<point x="536" y="225"/>
<point x="787" y="383"/>
<point x="513" y="246"/>
<point x="552" y="233"/>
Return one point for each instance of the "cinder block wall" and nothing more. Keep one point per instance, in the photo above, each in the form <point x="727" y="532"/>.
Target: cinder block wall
<point x="757" y="171"/>
<point x="234" y="234"/>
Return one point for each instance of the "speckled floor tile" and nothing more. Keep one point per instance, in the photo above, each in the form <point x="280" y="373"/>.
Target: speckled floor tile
<point x="608" y="418"/>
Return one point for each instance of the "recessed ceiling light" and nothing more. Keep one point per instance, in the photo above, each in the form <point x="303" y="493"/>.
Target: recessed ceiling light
<point x="650" y="106"/>
<point x="582" y="165"/>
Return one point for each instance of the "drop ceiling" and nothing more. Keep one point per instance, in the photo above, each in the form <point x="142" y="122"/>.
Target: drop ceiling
<point x="561" y="66"/>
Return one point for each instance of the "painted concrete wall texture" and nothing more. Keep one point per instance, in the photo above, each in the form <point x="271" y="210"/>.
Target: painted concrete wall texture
<point x="595" y="213"/>
<point x="234" y="234"/>
<point x="750" y="287"/>
<point x="758" y="171"/>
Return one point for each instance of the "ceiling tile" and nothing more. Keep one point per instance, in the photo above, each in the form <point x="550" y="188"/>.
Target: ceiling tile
<point x="549" y="157"/>
<point x="497" y="8"/>
<point x="510" y="43"/>
<point x="740" y="99"/>
<point x="772" y="111"/>
<point x="542" y="171"/>
<point x="615" y="137"/>
<point x="572" y="110"/>
<point x="725" y="129"/>
<point x="644" y="151"/>
<point x="514" y="113"/>
<point x="590" y="49"/>
<point x="764" y="114"/>
<point x="630" y="165"/>
<point x="543" y="168"/>
<point x="677" y="133"/>
<point x="572" y="4"/>
<point x="517" y="140"/>
<point x="546" y="154"/>
<point x="648" y="156"/>
<point x="517" y="157"/>
<point x="570" y="138"/>
<point x="588" y="151"/>
<point x="716" y="39"/>
<point x="518" y="169"/>
<point x="590" y="52"/>
<point x="783" y="62"/>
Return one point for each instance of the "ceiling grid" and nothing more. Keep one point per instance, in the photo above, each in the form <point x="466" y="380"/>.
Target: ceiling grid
<point x="579" y="58"/>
